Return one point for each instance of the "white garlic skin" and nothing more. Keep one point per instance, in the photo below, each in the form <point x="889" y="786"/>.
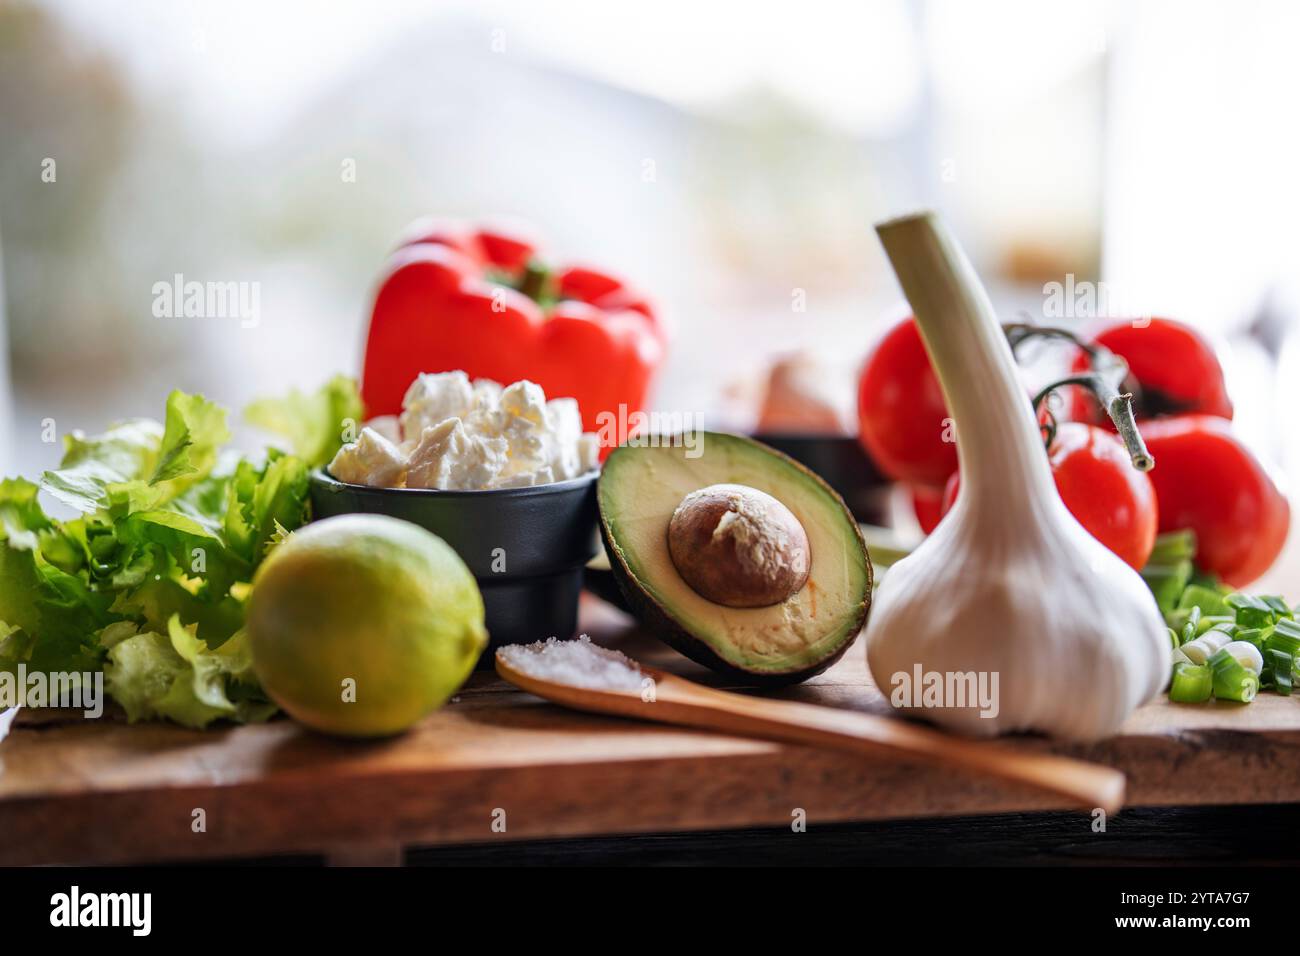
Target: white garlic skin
<point x="1009" y="582"/>
<point x="1073" y="666"/>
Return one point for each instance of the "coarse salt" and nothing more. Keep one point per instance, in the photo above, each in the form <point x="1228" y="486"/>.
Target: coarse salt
<point x="577" y="663"/>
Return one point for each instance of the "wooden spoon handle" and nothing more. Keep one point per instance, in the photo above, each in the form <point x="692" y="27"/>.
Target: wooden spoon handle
<point x="678" y="701"/>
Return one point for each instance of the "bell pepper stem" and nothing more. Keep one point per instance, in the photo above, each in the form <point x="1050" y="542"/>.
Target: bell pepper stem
<point x="536" y="282"/>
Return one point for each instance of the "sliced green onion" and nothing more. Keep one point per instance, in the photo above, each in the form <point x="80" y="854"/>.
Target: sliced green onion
<point x="1208" y="600"/>
<point x="1206" y="646"/>
<point x="1167" y="582"/>
<point x="1220" y="622"/>
<point x="1247" y="655"/>
<point x="1231" y="680"/>
<point x="1253" y="635"/>
<point x="1251" y="611"/>
<point x="1191" y="684"/>
<point x="1241" y="600"/>
<point x="1241" y="686"/>
<point x="1209" y="581"/>
<point x="1281" y="641"/>
<point x="1279" y="607"/>
<point x="1288" y="627"/>
<point x="1282" y="666"/>
<point x="1283" y="644"/>
<point x="1172" y="547"/>
<point x="1180" y="618"/>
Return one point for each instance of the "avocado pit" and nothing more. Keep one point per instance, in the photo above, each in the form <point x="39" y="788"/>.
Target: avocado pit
<point x="738" y="546"/>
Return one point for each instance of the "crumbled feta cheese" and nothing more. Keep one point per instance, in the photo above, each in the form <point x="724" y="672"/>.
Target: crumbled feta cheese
<point x="455" y="434"/>
<point x="449" y="457"/>
<point x="389" y="426"/>
<point x="526" y="401"/>
<point x="434" y="398"/>
<point x="370" y="460"/>
<point x="588" y="452"/>
<point x="565" y="424"/>
<point x="487" y="393"/>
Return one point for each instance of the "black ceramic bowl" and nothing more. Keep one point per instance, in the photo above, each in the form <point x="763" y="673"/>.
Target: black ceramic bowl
<point x="526" y="547"/>
<point x="841" y="461"/>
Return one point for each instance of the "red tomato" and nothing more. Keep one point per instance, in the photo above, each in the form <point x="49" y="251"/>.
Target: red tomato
<point x="1206" y="480"/>
<point x="927" y="502"/>
<point x="1114" y="501"/>
<point x="902" y="419"/>
<point x="1172" y="362"/>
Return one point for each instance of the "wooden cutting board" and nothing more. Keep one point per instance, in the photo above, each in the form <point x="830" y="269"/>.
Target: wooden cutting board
<point x="497" y="764"/>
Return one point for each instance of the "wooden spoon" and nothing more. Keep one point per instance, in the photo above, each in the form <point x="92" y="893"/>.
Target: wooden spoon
<point x="686" y="703"/>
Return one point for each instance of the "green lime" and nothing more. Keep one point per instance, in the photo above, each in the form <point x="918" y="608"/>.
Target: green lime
<point x="360" y="625"/>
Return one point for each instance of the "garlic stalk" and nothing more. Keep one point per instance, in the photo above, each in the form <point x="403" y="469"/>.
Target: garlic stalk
<point x="1009" y="583"/>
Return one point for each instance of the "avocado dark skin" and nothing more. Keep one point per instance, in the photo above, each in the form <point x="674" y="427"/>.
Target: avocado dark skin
<point x="604" y="585"/>
<point x="659" y="621"/>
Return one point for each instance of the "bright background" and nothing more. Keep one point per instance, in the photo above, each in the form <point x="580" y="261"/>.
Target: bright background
<point x="721" y="155"/>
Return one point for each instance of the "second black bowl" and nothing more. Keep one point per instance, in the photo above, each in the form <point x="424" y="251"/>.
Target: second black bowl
<point x="842" y="463"/>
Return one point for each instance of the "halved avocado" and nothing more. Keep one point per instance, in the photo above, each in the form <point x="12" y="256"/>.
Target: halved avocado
<point x="640" y="489"/>
<point x="598" y="578"/>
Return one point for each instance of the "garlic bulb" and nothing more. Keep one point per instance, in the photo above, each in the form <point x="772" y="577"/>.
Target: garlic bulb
<point x="1009" y="583"/>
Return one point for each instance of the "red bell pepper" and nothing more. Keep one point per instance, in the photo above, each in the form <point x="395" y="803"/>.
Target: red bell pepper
<point x="457" y="297"/>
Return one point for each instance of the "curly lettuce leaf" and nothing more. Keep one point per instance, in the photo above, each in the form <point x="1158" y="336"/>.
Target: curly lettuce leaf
<point x="313" y="423"/>
<point x="157" y="599"/>
<point x="21" y="516"/>
<point x="176" y="676"/>
<point x="47" y="615"/>
<point x="279" y="500"/>
<point x="150" y="580"/>
<point x="96" y="469"/>
<point x="193" y="433"/>
<point x="140" y="464"/>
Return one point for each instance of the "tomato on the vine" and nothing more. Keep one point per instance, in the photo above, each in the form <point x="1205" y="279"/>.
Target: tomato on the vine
<point x="1173" y="364"/>
<point x="903" y="422"/>
<point x="1206" y="480"/>
<point x="928" y="505"/>
<point x="1114" y="501"/>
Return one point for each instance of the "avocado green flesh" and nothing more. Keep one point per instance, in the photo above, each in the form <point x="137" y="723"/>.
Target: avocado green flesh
<point x="640" y="488"/>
